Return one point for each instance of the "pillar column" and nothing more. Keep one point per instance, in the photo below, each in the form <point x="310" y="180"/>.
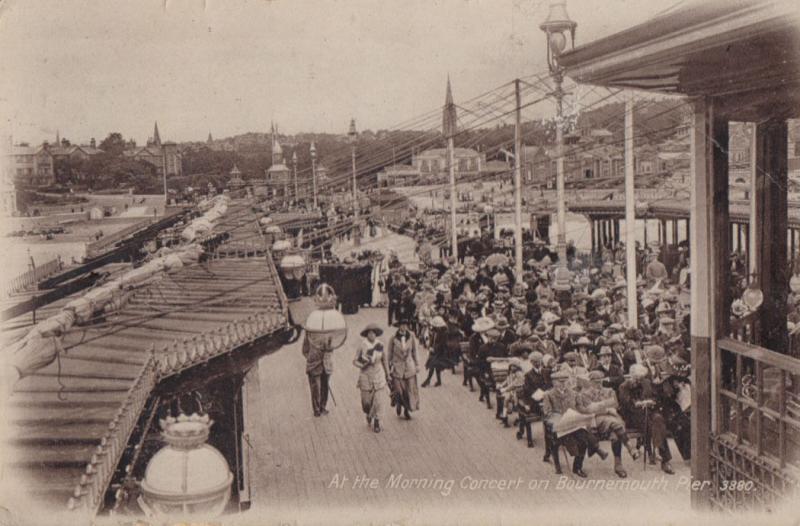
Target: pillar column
<point x="709" y="212"/>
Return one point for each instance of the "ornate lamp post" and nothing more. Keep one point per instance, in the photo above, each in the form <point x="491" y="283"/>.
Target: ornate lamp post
<point x="326" y="328"/>
<point x="294" y="176"/>
<point x="352" y="136"/>
<point x="555" y="27"/>
<point x="314" y="173"/>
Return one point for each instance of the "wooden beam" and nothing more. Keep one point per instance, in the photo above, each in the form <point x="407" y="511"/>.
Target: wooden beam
<point x="770" y="241"/>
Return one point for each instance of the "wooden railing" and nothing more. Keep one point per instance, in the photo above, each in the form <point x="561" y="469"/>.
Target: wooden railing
<point x="34" y="276"/>
<point x="756" y="439"/>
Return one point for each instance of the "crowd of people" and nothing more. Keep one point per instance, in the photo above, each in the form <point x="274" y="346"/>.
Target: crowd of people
<point x="567" y="359"/>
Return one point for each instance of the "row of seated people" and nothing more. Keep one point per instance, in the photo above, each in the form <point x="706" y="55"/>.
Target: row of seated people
<point x="650" y="397"/>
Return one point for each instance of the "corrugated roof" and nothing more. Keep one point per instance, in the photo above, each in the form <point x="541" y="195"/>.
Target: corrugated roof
<point x="71" y="419"/>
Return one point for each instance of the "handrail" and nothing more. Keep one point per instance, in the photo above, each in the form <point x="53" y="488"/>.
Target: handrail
<point x="760" y="354"/>
<point x="89" y="493"/>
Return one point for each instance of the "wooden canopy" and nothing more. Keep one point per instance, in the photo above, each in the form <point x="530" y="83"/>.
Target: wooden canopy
<point x="741" y="51"/>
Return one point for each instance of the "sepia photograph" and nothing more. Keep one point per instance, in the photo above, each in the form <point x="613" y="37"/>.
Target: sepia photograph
<point x="399" y="262"/>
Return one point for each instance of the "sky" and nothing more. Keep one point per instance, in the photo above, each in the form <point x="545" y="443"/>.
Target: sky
<point x="90" y="67"/>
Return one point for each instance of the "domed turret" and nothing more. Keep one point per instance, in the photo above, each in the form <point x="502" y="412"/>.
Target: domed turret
<point x="187" y="476"/>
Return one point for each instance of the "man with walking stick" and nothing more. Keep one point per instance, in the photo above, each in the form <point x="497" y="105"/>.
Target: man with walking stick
<point x="319" y="366"/>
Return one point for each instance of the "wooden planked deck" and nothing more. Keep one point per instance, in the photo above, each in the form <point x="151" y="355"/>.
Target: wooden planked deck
<point x="295" y="458"/>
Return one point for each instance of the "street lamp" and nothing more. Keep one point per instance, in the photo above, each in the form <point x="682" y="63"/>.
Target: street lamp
<point x="352" y="136"/>
<point x="294" y="174"/>
<point x="555" y="27"/>
<point x="314" y="173"/>
<point x="326" y="328"/>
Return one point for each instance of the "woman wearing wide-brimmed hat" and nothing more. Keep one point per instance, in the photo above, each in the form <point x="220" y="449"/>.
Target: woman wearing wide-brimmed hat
<point x="374" y="376"/>
<point x="403" y="368"/>
<point x="438" y="359"/>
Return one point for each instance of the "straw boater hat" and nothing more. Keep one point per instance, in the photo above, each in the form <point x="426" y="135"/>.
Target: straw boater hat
<point x="372" y="327"/>
<point x="541" y="329"/>
<point x="583" y="341"/>
<point x="605" y="350"/>
<point x="560" y="375"/>
<point x="438" y="322"/>
<point x="575" y="329"/>
<point x="522" y="365"/>
<point x="482" y="324"/>
<point x="655" y="353"/>
<point x="535" y="357"/>
<point x="638" y="370"/>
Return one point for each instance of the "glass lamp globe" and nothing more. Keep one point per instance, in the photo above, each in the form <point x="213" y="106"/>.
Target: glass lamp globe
<point x="187" y="477"/>
<point x="293" y="266"/>
<point x="794" y="283"/>
<point x="557" y="43"/>
<point x="752" y="296"/>
<point x="326" y="328"/>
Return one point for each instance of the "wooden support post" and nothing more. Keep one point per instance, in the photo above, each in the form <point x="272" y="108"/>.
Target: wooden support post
<point x="675" y="232"/>
<point x="738" y="238"/>
<point x="770" y="234"/>
<point x="645" y="232"/>
<point x="592" y="230"/>
<point x="616" y="232"/>
<point x="706" y="210"/>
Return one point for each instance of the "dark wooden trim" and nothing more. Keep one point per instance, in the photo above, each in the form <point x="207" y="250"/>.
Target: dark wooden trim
<point x="772" y="212"/>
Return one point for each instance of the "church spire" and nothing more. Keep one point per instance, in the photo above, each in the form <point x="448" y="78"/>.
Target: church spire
<point x="156" y="136"/>
<point x="449" y="117"/>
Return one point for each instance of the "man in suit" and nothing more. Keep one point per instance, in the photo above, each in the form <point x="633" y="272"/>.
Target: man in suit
<point x="555" y="404"/>
<point x="536" y="380"/>
<point x="319" y="366"/>
<point x="586" y="358"/>
<point x="612" y="371"/>
<point x="640" y="408"/>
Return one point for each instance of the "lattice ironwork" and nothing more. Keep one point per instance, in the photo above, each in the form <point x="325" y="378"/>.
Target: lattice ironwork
<point x="744" y="480"/>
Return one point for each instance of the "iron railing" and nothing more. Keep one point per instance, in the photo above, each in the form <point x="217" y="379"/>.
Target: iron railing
<point x="755" y="442"/>
<point x="34" y="276"/>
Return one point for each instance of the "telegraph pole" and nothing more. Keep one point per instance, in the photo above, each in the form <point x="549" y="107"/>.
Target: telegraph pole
<point x="630" y="218"/>
<point x="449" y="130"/>
<point x="518" y="184"/>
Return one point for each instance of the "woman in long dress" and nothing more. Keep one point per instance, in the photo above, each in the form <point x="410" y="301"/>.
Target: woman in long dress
<point x="374" y="376"/>
<point x="403" y="368"/>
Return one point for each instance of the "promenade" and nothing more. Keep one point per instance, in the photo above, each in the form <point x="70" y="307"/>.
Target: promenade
<point x="452" y="463"/>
